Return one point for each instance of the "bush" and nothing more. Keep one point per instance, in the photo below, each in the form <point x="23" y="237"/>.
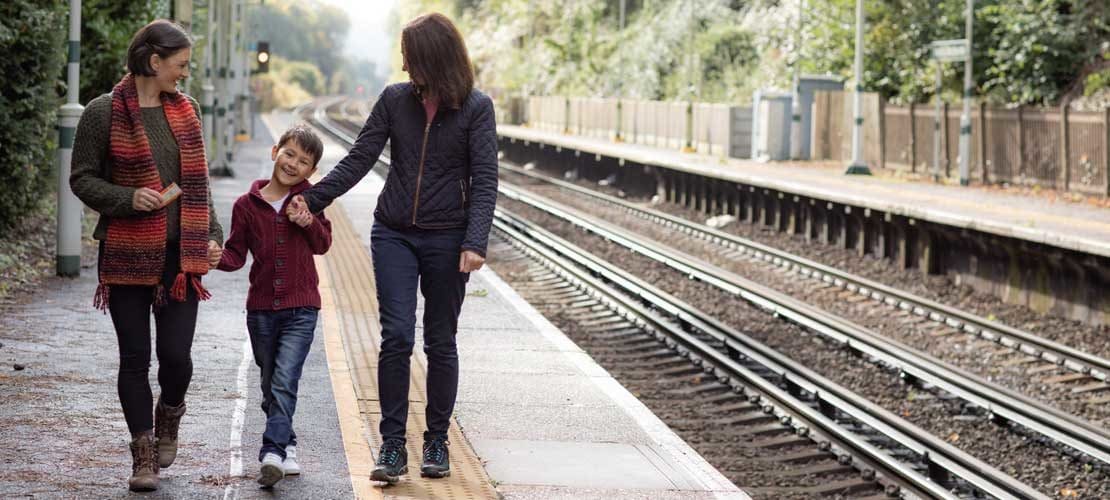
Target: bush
<point x="32" y="36"/>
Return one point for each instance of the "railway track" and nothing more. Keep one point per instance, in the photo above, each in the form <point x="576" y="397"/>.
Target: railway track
<point x="905" y="458"/>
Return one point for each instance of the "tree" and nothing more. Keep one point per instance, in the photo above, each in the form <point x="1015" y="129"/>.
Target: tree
<point x="31" y="39"/>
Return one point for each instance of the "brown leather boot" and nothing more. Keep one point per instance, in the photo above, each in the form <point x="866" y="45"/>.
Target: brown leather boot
<point x="166" y="422"/>
<point x="144" y="463"/>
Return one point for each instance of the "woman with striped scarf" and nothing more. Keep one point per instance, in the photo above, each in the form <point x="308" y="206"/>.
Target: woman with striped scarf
<point x="139" y="161"/>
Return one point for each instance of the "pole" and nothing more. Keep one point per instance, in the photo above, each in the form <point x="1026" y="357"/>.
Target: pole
<point x="689" y="147"/>
<point x="936" y="127"/>
<point x="858" y="166"/>
<point x="68" y="252"/>
<point x="620" y="81"/>
<point x="796" y="99"/>
<point x="969" y="90"/>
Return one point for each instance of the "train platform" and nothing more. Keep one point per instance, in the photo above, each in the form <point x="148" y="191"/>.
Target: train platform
<point x="535" y="417"/>
<point x="1074" y="226"/>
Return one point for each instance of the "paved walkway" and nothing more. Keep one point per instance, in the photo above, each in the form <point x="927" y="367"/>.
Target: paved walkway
<point x="61" y="429"/>
<point x="536" y="417"/>
<point x="1068" y="225"/>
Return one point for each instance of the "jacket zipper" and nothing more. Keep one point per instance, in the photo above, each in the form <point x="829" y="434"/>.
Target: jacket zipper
<point x="420" y="173"/>
<point x="462" y="187"/>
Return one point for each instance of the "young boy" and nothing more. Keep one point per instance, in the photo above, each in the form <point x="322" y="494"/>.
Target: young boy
<point x="283" y="300"/>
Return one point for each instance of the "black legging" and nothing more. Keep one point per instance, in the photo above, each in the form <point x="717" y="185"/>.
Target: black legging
<point x="130" y="307"/>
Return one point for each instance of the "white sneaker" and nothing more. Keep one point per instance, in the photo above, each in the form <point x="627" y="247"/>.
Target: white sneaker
<point x="290" y="465"/>
<point x="271" y="471"/>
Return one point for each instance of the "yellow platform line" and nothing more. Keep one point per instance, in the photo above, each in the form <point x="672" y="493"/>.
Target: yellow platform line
<point x="352" y="336"/>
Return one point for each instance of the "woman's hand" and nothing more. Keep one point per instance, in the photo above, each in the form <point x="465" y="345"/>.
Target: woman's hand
<point x="214" y="254"/>
<point x="146" y="199"/>
<point x="296" y="205"/>
<point x="470" y="261"/>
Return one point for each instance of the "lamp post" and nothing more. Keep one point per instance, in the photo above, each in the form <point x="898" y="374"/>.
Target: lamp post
<point x="689" y="144"/>
<point x="796" y="104"/>
<point x="68" y="251"/>
<point x="620" y="80"/>
<point x="858" y="166"/>
<point x="969" y="90"/>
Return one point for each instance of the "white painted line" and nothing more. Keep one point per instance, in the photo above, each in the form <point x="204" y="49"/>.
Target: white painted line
<point x="238" y="419"/>
<point x="680" y="453"/>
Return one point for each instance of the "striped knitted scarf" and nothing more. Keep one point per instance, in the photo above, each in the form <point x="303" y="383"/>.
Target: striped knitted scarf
<point x="135" y="248"/>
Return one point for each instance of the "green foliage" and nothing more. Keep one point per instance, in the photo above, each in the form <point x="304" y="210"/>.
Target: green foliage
<point x="106" y="30"/>
<point x="32" y="41"/>
<point x="303" y="74"/>
<point x="1035" y="52"/>
<point x="1027" y="51"/>
<point x="1096" y="82"/>
<point x="308" y="31"/>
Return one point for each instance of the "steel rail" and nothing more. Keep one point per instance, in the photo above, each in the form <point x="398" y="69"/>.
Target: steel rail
<point x="1003" y="403"/>
<point x="1095" y="366"/>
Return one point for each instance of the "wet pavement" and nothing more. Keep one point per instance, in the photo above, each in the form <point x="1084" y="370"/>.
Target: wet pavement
<point x="62" y="433"/>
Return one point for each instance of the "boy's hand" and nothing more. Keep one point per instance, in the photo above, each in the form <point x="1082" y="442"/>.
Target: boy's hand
<point x="296" y="205"/>
<point x="214" y="254"/>
<point x="303" y="219"/>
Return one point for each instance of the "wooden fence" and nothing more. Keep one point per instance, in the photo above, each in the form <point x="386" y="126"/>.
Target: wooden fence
<point x="1050" y="147"/>
<point x="652" y="123"/>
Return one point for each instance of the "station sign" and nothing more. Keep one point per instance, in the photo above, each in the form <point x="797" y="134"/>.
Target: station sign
<point x="949" y="50"/>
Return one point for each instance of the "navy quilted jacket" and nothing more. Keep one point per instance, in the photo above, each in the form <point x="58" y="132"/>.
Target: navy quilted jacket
<point x="446" y="180"/>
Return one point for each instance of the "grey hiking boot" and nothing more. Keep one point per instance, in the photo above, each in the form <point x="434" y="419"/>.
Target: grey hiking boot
<point x="437" y="462"/>
<point x="144" y="463"/>
<point x="393" y="461"/>
<point x="167" y="420"/>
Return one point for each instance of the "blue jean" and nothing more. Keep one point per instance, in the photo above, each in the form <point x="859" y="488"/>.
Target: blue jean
<point x="402" y="260"/>
<point x="280" y="341"/>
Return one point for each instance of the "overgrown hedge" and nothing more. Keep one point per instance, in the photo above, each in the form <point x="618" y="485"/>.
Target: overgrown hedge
<point x="32" y="39"/>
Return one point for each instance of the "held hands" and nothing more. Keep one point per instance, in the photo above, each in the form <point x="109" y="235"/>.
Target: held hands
<point x="214" y="254"/>
<point x="146" y="200"/>
<point x="470" y="261"/>
<point x="297" y="211"/>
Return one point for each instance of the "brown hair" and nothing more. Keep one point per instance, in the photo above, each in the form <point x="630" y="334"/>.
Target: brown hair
<point x="304" y="137"/>
<point x="435" y="54"/>
<point x="161" y="37"/>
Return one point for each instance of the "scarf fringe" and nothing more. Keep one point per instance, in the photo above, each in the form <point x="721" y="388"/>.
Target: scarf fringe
<point x="159" y="296"/>
<point x="202" y="293"/>
<point x="177" y="292"/>
<point x="100" y="298"/>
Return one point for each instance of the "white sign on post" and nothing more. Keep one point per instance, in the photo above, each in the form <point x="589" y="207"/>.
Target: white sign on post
<point x="949" y="50"/>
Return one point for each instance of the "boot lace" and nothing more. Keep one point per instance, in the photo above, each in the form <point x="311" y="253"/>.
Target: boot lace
<point x="391" y="451"/>
<point x="435" y="450"/>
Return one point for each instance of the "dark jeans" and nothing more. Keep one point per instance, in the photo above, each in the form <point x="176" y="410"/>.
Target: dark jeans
<point x="130" y="308"/>
<point x="401" y="260"/>
<point x="280" y="341"/>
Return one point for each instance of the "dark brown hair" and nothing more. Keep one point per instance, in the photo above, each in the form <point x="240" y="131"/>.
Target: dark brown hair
<point x="304" y="137"/>
<point x="435" y="54"/>
<point x="161" y="37"/>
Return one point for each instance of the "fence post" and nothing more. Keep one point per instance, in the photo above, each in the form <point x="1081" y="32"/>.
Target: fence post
<point x="983" y="141"/>
<point x="1021" y="146"/>
<point x="1064" y="176"/>
<point x="1106" y="150"/>
<point x="944" y="135"/>
<point x="913" y="140"/>
<point x="566" y="115"/>
<point x="882" y="132"/>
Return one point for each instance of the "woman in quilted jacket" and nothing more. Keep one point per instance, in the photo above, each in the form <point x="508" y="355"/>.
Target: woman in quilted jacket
<point x="431" y="224"/>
